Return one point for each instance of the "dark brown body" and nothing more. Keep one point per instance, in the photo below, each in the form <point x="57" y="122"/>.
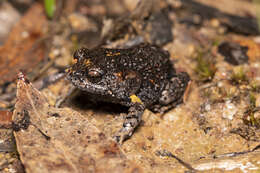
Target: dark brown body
<point x="116" y="75"/>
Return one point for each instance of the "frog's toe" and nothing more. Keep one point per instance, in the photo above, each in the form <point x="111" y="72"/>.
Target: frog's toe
<point x="123" y="135"/>
<point x="132" y="120"/>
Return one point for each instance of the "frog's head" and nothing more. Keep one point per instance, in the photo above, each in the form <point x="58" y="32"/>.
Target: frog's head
<point x="92" y="72"/>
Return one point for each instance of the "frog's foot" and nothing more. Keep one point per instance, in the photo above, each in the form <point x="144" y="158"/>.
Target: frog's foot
<point x="132" y="120"/>
<point x="173" y="93"/>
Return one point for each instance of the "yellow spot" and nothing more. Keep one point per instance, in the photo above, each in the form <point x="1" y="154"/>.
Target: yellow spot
<point x="109" y="54"/>
<point x="116" y="53"/>
<point x="87" y="62"/>
<point x="112" y="54"/>
<point x="135" y="99"/>
<point x="68" y="70"/>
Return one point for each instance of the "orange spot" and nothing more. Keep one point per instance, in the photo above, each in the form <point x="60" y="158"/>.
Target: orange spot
<point x="112" y="54"/>
<point x="119" y="74"/>
<point x="109" y="54"/>
<point x="117" y="53"/>
<point x="87" y="62"/>
<point x="152" y="81"/>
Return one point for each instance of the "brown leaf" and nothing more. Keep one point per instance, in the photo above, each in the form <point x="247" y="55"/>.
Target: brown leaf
<point x="20" y="50"/>
<point x="5" y="118"/>
<point x="59" y="139"/>
<point x="253" y="49"/>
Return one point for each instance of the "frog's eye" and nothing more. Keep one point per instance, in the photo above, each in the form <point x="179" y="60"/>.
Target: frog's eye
<point x="95" y="72"/>
<point x="80" y="53"/>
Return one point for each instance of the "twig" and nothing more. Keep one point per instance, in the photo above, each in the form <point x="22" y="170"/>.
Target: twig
<point x="165" y="153"/>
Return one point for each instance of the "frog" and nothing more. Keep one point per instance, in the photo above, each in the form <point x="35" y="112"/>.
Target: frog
<point x="140" y="77"/>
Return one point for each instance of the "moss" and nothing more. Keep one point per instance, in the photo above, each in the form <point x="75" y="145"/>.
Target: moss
<point x="252" y="100"/>
<point x="217" y="94"/>
<point x="50" y="6"/>
<point x="216" y="42"/>
<point x="249" y="116"/>
<point x="255" y="87"/>
<point x="75" y="43"/>
<point x="239" y="76"/>
<point x="257" y="6"/>
<point x="206" y="69"/>
<point x="251" y="120"/>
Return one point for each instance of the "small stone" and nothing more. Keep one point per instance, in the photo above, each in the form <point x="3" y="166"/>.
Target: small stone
<point x="257" y="102"/>
<point x="8" y="18"/>
<point x="234" y="53"/>
<point x="229" y="110"/>
<point x="191" y="49"/>
<point x="159" y="28"/>
<point x="215" y="23"/>
<point x="257" y="39"/>
<point x="257" y="115"/>
<point x="207" y="107"/>
<point x="81" y="23"/>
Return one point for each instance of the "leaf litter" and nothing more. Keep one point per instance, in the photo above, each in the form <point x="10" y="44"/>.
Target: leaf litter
<point x="59" y="139"/>
<point x="206" y="133"/>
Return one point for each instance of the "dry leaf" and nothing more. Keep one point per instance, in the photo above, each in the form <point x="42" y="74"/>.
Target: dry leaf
<point x="59" y="139"/>
<point x="5" y="118"/>
<point x="21" y="50"/>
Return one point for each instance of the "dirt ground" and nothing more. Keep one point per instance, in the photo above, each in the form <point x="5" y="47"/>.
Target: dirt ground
<point x="215" y="129"/>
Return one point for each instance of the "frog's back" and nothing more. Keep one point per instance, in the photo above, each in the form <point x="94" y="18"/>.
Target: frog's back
<point x="151" y="63"/>
<point x="156" y="70"/>
<point x="154" y="66"/>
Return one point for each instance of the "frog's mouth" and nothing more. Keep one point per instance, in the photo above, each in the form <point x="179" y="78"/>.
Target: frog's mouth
<point x="84" y="84"/>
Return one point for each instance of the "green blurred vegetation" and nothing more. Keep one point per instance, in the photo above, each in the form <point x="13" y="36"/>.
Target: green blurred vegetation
<point x="257" y="8"/>
<point x="239" y="75"/>
<point x="50" y="6"/>
<point x="205" y="68"/>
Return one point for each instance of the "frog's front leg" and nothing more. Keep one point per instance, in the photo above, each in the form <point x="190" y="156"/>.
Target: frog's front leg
<point x="172" y="94"/>
<point x="132" y="120"/>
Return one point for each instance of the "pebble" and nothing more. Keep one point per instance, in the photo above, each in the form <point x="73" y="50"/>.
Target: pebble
<point x="229" y="110"/>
